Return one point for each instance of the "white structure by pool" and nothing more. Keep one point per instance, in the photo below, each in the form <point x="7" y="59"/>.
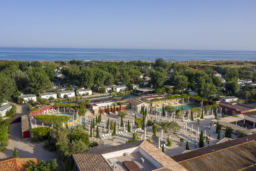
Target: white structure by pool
<point x="48" y="95"/>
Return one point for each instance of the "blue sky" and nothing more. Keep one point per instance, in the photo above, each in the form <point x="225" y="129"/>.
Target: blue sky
<point x="146" y="24"/>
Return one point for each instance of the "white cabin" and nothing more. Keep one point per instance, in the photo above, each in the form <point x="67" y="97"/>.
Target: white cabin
<point x="4" y="109"/>
<point x="26" y="98"/>
<point x="107" y="88"/>
<point x="84" y="92"/>
<point x="68" y="93"/>
<point x="229" y="99"/>
<point x="119" y="88"/>
<point x="48" y="95"/>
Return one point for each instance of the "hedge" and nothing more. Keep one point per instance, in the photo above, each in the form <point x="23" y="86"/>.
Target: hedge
<point x="198" y="98"/>
<point x="52" y="119"/>
<point x="40" y="131"/>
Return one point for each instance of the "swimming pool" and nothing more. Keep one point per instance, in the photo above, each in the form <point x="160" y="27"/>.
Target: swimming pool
<point x="185" y="107"/>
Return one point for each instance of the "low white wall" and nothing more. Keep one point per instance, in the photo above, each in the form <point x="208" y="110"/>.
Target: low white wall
<point x="120" y="153"/>
<point x="150" y="159"/>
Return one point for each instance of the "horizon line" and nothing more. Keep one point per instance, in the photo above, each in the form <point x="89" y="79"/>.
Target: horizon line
<point x="125" y="48"/>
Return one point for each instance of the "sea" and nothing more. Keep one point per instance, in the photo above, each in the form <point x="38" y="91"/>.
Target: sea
<point x="94" y="54"/>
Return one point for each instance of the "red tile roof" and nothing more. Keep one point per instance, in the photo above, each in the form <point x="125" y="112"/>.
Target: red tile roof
<point x="16" y="164"/>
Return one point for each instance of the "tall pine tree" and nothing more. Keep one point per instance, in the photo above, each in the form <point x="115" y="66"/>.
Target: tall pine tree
<point x="129" y="126"/>
<point x="201" y="141"/>
<point x="98" y="134"/>
<point x="187" y="146"/>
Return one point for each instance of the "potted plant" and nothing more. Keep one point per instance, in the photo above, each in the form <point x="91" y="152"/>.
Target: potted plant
<point x="181" y="141"/>
<point x="198" y="121"/>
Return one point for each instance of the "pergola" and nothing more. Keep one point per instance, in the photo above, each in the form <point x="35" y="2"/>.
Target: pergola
<point x="228" y="122"/>
<point x="144" y="90"/>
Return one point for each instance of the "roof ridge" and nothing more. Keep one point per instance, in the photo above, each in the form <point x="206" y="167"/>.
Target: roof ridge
<point x="216" y="151"/>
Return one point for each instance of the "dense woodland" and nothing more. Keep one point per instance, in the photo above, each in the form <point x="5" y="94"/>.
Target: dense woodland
<point x="37" y="77"/>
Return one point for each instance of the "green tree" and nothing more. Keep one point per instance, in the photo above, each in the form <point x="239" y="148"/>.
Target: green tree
<point x="125" y="78"/>
<point x="39" y="82"/>
<point x="129" y="126"/>
<point x="181" y="82"/>
<point x="7" y="87"/>
<point x="15" y="152"/>
<point x="187" y="146"/>
<point x="232" y="73"/>
<point x="217" y="127"/>
<point x="169" y="142"/>
<point x="98" y="134"/>
<point x="108" y="124"/>
<point x="134" y="74"/>
<point x="202" y="114"/>
<point x="208" y="89"/>
<point x="216" y="81"/>
<point x="201" y="140"/>
<point x="163" y="148"/>
<point x="21" y="79"/>
<point x="154" y="129"/>
<point x="218" y="136"/>
<point x="87" y="77"/>
<point x="50" y="71"/>
<point x="50" y="165"/>
<point x="232" y="86"/>
<point x="157" y="79"/>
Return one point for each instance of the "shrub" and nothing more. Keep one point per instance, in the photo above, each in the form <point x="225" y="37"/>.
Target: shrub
<point x="15" y="152"/>
<point x="150" y="123"/>
<point x="52" y="119"/>
<point x="154" y="130"/>
<point x="93" y="144"/>
<point x="84" y="137"/>
<point x="40" y="131"/>
<point x="20" y="100"/>
<point x="241" y="133"/>
<point x="169" y="142"/>
<point x="138" y="122"/>
<point x="65" y="96"/>
<point x="51" y="98"/>
<point x="11" y="112"/>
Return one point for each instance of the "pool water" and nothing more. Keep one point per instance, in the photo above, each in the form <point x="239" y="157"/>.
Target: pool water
<point x="185" y="107"/>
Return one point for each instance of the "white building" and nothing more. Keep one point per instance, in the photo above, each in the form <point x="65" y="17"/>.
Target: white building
<point x="84" y="91"/>
<point x="68" y="93"/>
<point x="243" y="82"/>
<point x="107" y="88"/>
<point x="218" y="75"/>
<point x="137" y="104"/>
<point x="26" y="98"/>
<point x="119" y="88"/>
<point x="229" y="99"/>
<point x="48" y="95"/>
<point x="5" y="103"/>
<point x="4" y="109"/>
<point x="135" y="86"/>
<point x="223" y="81"/>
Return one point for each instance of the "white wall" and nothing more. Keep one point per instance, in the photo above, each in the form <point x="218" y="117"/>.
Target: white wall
<point x="48" y="96"/>
<point x="108" y="89"/>
<point x="84" y="92"/>
<point x="26" y="99"/>
<point x="150" y="159"/>
<point x="120" y="153"/>
<point x="61" y="95"/>
<point x="3" y="113"/>
<point x="117" y="89"/>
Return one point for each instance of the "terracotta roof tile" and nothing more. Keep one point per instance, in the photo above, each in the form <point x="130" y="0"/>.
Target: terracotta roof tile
<point x="160" y="157"/>
<point x="212" y="148"/>
<point x="231" y="158"/>
<point x="91" y="162"/>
